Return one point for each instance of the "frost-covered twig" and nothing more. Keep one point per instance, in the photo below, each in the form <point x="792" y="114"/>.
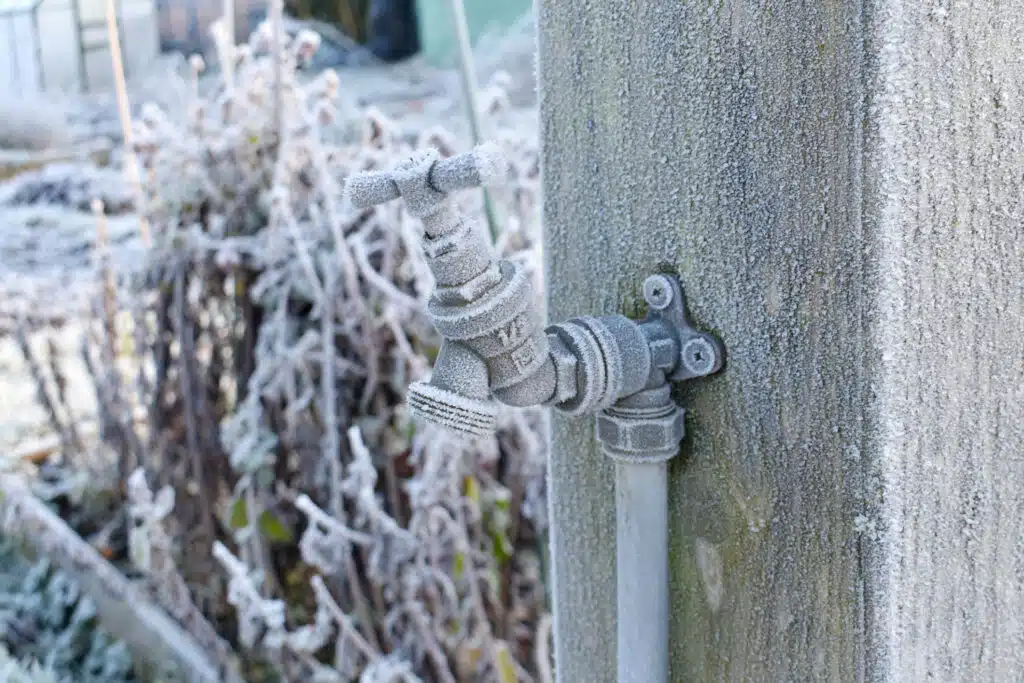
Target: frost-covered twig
<point x="60" y="382"/>
<point x="123" y="609"/>
<point x="151" y="551"/>
<point x="124" y="112"/>
<point x="190" y="398"/>
<point x="48" y="402"/>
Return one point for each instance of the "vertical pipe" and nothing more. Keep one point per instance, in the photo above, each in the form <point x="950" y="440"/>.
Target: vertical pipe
<point x="228" y="67"/>
<point x="466" y="68"/>
<point x="641" y="514"/>
<point x="76" y="19"/>
<point x="277" y="32"/>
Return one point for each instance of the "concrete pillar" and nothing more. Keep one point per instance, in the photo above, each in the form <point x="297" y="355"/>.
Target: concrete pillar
<point x="840" y="186"/>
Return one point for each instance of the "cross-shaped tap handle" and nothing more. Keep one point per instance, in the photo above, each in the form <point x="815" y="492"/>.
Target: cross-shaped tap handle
<point x="424" y="179"/>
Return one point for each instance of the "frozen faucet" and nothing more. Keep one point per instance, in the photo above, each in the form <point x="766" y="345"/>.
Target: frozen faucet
<point x="495" y="345"/>
<point x="496" y="348"/>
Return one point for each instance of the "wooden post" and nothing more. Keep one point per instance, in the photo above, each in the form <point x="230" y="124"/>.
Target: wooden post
<point x="841" y="188"/>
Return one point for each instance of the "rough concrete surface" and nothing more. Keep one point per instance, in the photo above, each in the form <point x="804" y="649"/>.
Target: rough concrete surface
<point x="838" y="185"/>
<point x="948" y="222"/>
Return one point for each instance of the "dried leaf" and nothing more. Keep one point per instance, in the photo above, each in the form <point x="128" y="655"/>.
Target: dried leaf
<point x="504" y="664"/>
<point x="239" y="515"/>
<point x="274" y="529"/>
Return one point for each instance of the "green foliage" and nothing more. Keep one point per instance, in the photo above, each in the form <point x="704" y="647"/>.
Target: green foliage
<point x="274" y="528"/>
<point x="45" y="618"/>
<point x="351" y="16"/>
<point x="271" y="526"/>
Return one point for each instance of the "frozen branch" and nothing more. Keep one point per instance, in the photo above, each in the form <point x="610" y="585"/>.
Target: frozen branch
<point x="123" y="609"/>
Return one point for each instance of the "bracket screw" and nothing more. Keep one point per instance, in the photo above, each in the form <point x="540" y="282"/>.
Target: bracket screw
<point x="699" y="356"/>
<point x="658" y="292"/>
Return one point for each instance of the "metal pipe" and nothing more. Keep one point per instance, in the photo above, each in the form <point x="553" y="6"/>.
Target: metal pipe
<point x="641" y="565"/>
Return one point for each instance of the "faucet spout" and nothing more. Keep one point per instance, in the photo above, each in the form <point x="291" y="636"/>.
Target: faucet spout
<point x="457" y="396"/>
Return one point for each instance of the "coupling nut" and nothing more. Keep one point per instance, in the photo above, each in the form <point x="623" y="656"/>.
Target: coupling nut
<point x="645" y="428"/>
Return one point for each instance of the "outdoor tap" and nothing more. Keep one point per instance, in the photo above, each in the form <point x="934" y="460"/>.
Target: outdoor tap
<point x="495" y="347"/>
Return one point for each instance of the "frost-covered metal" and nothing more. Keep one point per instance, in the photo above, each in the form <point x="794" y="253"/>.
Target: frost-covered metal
<point x="619" y="369"/>
<point x="495" y="347"/>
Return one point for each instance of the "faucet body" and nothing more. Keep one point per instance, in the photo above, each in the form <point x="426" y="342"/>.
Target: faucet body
<point x="495" y="347"/>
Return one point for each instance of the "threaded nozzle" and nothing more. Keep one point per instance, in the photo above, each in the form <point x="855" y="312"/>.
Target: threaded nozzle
<point x="458" y="413"/>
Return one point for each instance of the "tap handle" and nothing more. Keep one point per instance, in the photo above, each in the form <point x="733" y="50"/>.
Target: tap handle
<point x="484" y="165"/>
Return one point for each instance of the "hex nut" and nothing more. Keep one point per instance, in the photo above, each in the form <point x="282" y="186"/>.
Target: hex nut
<point x="641" y="438"/>
<point x="591" y="374"/>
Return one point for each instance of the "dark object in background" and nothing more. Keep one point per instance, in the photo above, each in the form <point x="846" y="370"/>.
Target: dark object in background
<point x="393" y="33"/>
<point x="357" y="32"/>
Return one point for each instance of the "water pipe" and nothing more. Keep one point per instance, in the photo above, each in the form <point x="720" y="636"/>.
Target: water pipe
<point x="619" y="370"/>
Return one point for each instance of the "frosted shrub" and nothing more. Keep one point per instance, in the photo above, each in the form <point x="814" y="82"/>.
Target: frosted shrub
<point x="278" y="329"/>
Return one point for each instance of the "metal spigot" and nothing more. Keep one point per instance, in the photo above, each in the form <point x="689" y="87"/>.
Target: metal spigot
<point x="494" y="345"/>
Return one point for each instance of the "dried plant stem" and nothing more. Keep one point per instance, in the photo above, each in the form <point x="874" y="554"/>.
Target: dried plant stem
<point x="107" y="282"/>
<point x="361" y="602"/>
<point x="143" y="387"/>
<point x="331" y="439"/>
<point x="61" y="382"/>
<point x="120" y="413"/>
<point x="471" y="94"/>
<point x="332" y="445"/>
<point x="161" y="353"/>
<point x="189" y="395"/>
<point x="117" y="424"/>
<point x="323" y="596"/>
<point x="347" y="262"/>
<point x="35" y="368"/>
<point x="168" y="585"/>
<point x="121" y="89"/>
